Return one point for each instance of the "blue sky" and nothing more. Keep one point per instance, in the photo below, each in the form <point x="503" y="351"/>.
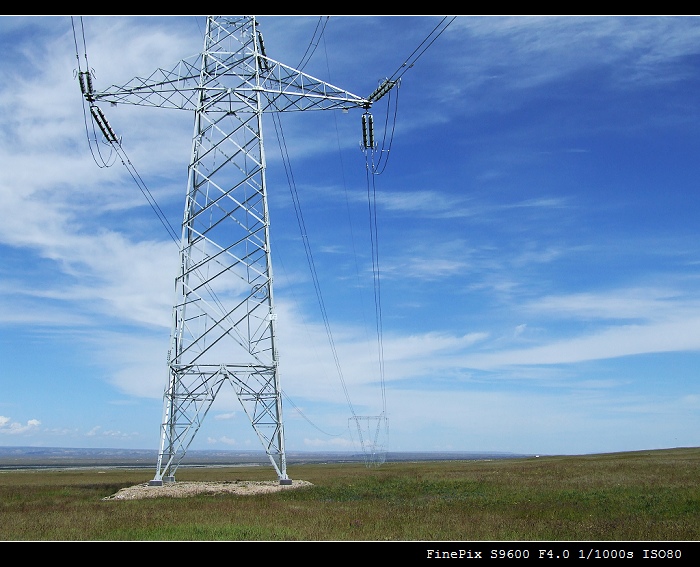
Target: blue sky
<point x="537" y="231"/>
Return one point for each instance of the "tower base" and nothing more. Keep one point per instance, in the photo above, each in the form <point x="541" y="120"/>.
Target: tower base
<point x="166" y="480"/>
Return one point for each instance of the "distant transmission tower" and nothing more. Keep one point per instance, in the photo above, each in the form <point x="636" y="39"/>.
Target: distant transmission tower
<point x="223" y="327"/>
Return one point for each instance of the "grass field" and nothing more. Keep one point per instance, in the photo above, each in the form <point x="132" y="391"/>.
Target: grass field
<point x="649" y="495"/>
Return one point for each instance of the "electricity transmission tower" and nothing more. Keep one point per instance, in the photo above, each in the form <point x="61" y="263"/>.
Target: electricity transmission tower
<point x="223" y="326"/>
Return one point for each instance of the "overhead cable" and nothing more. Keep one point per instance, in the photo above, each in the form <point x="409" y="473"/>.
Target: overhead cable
<point x="438" y="30"/>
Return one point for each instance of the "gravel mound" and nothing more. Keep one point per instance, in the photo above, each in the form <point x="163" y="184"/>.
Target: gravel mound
<point x="184" y="489"/>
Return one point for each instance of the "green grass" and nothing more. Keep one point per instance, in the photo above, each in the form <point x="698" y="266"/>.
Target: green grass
<point x="651" y="495"/>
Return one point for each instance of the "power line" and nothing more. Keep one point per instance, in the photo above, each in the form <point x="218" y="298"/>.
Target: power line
<point x="301" y="413"/>
<point x="372" y="170"/>
<point x="309" y="254"/>
<point x="387" y="84"/>
<point x="374" y="236"/>
<point x="309" y="51"/>
<point x="437" y="31"/>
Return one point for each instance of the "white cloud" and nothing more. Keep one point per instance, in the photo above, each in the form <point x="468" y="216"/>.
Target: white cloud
<point x="114" y="433"/>
<point x="9" y="427"/>
<point x="136" y="363"/>
<point x="225" y="416"/>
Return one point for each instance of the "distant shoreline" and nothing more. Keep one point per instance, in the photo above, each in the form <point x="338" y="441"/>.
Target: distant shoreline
<point x="51" y="458"/>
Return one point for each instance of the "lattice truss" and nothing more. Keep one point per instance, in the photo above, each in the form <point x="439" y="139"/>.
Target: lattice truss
<point x="234" y="69"/>
<point x="224" y="321"/>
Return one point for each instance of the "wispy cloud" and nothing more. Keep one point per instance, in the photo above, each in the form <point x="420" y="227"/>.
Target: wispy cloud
<point x="640" y="303"/>
<point x="626" y="340"/>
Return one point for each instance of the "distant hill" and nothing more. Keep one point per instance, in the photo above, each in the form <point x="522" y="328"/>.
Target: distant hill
<point x="68" y="457"/>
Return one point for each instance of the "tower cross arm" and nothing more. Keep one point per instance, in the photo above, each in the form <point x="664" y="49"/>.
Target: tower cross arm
<point x="177" y="88"/>
<point x="288" y="89"/>
<point x="231" y="87"/>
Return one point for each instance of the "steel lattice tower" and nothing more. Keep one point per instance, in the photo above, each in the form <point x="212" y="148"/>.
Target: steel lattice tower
<point x="223" y="327"/>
